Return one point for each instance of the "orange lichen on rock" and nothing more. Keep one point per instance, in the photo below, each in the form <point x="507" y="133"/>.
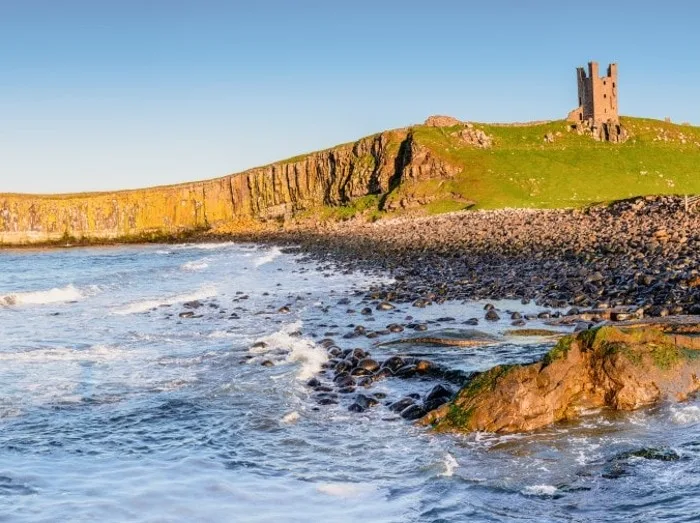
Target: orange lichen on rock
<point x="621" y="368"/>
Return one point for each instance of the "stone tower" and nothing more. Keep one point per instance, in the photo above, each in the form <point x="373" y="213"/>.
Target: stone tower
<point x="597" y="97"/>
<point x="597" y="103"/>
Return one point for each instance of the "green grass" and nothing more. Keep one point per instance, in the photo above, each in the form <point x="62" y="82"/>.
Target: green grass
<point x="368" y="206"/>
<point x="559" y="351"/>
<point x="521" y="170"/>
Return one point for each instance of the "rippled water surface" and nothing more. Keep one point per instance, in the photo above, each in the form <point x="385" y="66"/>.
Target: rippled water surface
<point x="113" y="408"/>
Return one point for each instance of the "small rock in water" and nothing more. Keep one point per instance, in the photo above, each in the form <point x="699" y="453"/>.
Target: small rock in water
<point x="491" y="315"/>
<point x="385" y="306"/>
<point x="402" y="404"/>
<point x="413" y="412"/>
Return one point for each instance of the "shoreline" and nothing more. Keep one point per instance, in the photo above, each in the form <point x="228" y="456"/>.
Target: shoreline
<point x="642" y="254"/>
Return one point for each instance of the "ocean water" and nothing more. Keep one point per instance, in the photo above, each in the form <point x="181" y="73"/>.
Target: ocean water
<point x="114" y="408"/>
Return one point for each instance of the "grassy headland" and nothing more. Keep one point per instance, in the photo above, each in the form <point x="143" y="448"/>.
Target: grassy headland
<point x="522" y="170"/>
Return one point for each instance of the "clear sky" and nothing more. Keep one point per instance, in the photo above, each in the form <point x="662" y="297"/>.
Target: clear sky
<point x="108" y="94"/>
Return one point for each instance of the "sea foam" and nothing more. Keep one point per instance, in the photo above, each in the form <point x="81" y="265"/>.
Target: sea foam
<point x="540" y="490"/>
<point x="450" y="464"/>
<point x="56" y="295"/>
<point x="685" y="414"/>
<point x="197" y="265"/>
<point x="204" y="246"/>
<point x="345" y="490"/>
<point x="147" y="305"/>
<point x="299" y="350"/>
<point x="268" y="257"/>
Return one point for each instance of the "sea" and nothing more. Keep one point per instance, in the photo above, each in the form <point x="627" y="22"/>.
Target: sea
<point x="168" y="383"/>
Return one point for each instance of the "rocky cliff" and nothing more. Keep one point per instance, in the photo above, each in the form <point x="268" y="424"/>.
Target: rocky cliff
<point x="372" y="165"/>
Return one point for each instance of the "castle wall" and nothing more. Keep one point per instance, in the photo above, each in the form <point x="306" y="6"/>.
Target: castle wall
<point x="597" y="95"/>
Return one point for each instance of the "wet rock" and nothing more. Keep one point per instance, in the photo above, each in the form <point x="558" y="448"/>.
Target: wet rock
<point x="413" y="412"/>
<point x="393" y="364"/>
<point x="492" y="315"/>
<point x="194" y="304"/>
<point x="368" y="364"/>
<point x="622" y="369"/>
<point x="401" y="405"/>
<point x="385" y="306"/>
<point x="313" y="382"/>
<point x="365" y="402"/>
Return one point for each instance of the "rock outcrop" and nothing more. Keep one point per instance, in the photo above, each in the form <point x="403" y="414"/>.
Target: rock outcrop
<point x="621" y="368"/>
<point x="372" y="165"/>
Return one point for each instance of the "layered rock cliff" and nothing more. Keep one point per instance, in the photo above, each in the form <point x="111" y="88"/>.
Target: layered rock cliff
<point x="372" y="165"/>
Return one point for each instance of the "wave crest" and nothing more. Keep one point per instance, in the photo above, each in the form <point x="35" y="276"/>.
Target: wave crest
<point x="55" y="295"/>
<point x="147" y="305"/>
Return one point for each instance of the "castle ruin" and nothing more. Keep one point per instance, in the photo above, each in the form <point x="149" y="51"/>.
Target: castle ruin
<point x="597" y="110"/>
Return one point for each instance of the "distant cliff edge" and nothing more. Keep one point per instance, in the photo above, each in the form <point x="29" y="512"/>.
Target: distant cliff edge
<point x="443" y="165"/>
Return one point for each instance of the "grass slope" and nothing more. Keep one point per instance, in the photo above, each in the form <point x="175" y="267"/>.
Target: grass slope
<point x="521" y="170"/>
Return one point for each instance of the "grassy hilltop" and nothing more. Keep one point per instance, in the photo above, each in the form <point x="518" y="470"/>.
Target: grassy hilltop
<point x="422" y="169"/>
<point x="521" y="169"/>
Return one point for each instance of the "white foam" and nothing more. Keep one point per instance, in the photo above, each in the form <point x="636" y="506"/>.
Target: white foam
<point x="298" y="350"/>
<point x="291" y="417"/>
<point x="193" y="266"/>
<point x="96" y="353"/>
<point x="540" y="490"/>
<point x="147" y="305"/>
<point x="268" y="257"/>
<point x="685" y="414"/>
<point x="56" y="295"/>
<point x="450" y="464"/>
<point x="222" y="334"/>
<point x="344" y="490"/>
<point x="204" y="246"/>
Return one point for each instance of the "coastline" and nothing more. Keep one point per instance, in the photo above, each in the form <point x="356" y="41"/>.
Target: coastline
<point x="640" y="254"/>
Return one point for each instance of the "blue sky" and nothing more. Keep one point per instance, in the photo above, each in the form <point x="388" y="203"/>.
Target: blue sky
<point x="116" y="94"/>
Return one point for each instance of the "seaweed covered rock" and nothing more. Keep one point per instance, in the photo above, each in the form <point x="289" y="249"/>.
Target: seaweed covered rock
<point x="619" y="367"/>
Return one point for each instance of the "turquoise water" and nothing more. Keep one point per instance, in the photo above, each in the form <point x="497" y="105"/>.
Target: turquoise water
<point x="114" y="408"/>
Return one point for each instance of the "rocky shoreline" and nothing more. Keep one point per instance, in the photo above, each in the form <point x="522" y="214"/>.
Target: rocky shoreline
<point x="640" y="255"/>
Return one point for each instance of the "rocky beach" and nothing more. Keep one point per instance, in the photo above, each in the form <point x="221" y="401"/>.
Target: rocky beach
<point x="638" y="255"/>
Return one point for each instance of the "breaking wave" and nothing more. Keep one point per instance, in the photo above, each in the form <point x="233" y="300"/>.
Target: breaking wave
<point x="290" y="348"/>
<point x="147" y="305"/>
<point x="197" y="265"/>
<point x="56" y="295"/>
<point x="268" y="257"/>
<point x="204" y="246"/>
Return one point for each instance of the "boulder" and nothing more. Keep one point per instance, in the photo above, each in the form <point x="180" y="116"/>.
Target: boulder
<point x="618" y="367"/>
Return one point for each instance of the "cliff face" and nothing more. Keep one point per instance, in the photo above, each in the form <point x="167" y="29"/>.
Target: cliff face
<point x="372" y="165"/>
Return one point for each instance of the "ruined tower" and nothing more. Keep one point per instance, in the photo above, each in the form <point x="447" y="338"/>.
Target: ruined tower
<point x="597" y="102"/>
